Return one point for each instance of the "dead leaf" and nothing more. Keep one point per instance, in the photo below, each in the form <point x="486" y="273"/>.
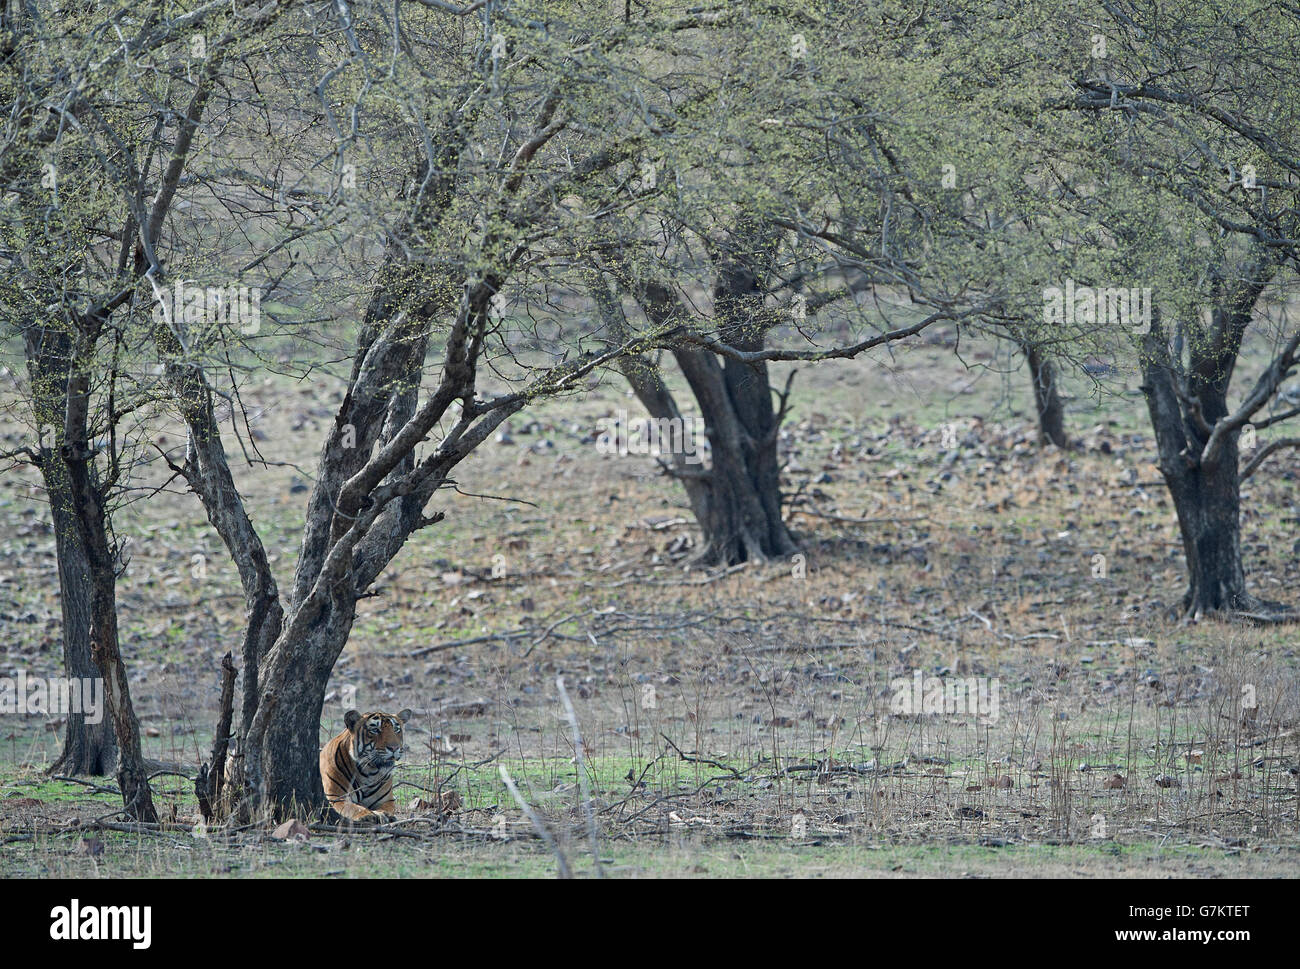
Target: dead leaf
<point x="443" y="804"/>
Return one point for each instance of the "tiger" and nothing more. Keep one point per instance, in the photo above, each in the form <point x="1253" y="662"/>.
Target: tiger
<point x="356" y="767"/>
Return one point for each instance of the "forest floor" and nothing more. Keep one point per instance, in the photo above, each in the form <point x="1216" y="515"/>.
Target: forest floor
<point x="734" y="722"/>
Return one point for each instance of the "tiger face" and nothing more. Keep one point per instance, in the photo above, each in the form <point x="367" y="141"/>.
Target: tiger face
<point x="376" y="739"/>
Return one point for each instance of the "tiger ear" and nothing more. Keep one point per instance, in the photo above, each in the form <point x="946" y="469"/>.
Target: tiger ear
<point x="350" y="718"/>
<point x="404" y="715"/>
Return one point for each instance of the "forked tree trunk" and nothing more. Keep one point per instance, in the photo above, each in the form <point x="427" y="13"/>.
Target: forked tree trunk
<point x="1187" y="401"/>
<point x="351" y="537"/>
<point x="1206" y="498"/>
<point x="371" y="485"/>
<point x="748" y="481"/>
<point x="737" y="499"/>
<point x="740" y="519"/>
<point x="1047" y="399"/>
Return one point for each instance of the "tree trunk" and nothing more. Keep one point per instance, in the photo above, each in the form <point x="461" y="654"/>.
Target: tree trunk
<point x="741" y="518"/>
<point x="737" y="499"/>
<point x="1047" y="401"/>
<point x="1206" y="498"/>
<point x="89" y="507"/>
<point x="87" y="748"/>
<point x="1208" y="504"/>
<point x="1187" y="400"/>
<point x="347" y="543"/>
<point x="132" y="777"/>
<point x="282" y="744"/>
<point x="749" y="481"/>
<point x="290" y="743"/>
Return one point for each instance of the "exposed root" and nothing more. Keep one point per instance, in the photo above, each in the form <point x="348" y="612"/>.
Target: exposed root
<point x="1245" y="608"/>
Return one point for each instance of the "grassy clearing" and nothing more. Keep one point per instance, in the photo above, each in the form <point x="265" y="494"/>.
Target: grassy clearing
<point x="740" y="723"/>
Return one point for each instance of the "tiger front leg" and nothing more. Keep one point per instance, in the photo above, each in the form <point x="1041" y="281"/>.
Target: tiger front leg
<point x="355" y="812"/>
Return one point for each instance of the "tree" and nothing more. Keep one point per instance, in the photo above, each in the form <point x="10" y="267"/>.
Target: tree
<point x="812" y="200"/>
<point x="1111" y="152"/>
<point x="737" y="499"/>
<point x="470" y="219"/>
<point x="89" y="114"/>
<point x="1228" y="157"/>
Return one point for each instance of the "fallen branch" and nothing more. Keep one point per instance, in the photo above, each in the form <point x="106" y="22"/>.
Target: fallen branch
<point x="95" y="788"/>
<point x="702" y="760"/>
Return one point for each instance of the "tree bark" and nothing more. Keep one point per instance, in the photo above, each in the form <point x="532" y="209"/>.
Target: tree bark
<point x="752" y="476"/>
<point x="283" y="753"/>
<point x="741" y="520"/>
<point x="1208" y="504"/>
<point x="1206" y="498"/>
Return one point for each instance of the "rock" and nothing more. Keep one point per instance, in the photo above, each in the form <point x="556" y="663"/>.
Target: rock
<point x="291" y="830"/>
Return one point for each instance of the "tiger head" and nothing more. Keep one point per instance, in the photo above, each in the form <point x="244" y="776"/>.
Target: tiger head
<point x="376" y="738"/>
